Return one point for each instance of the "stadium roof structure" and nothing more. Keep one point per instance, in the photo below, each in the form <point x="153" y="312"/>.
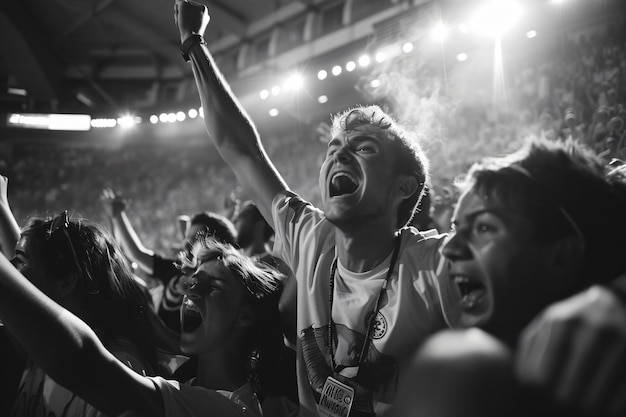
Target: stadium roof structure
<point x="120" y="58"/>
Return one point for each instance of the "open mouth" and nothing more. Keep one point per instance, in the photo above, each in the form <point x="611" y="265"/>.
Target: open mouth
<point x="343" y="183"/>
<point x="472" y="291"/>
<point x="191" y="318"/>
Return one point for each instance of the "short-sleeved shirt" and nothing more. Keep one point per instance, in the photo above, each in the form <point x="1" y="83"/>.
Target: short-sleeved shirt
<point x="188" y="400"/>
<point x="410" y="308"/>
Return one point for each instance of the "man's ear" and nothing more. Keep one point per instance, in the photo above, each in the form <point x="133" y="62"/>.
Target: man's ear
<point x="407" y="186"/>
<point x="245" y="318"/>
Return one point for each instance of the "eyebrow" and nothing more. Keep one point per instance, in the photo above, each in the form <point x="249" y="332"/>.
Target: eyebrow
<point x="472" y="216"/>
<point x="359" y="138"/>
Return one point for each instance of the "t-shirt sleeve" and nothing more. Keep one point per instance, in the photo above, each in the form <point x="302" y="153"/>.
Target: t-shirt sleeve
<point x="294" y="219"/>
<point x="186" y="400"/>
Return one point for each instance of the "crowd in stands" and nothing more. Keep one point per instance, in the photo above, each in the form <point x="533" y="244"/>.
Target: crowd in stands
<point x="579" y="92"/>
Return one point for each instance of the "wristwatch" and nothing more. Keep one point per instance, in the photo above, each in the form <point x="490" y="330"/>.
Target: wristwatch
<point x="189" y="42"/>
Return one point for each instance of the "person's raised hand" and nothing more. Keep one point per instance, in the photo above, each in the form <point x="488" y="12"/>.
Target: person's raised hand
<point x="576" y="350"/>
<point x="113" y="203"/>
<point x="4" y="188"/>
<point x="191" y="18"/>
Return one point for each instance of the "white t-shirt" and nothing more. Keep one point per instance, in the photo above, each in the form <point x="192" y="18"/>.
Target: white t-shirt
<point x="410" y="308"/>
<point x="188" y="400"/>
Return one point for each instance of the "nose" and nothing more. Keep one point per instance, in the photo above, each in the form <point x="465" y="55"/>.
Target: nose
<point x="343" y="153"/>
<point x="456" y="246"/>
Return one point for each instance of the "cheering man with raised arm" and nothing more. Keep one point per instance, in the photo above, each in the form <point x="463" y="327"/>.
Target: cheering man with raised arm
<point x="369" y="289"/>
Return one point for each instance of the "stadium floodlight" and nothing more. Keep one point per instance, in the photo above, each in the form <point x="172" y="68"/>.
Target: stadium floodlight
<point x="407" y="47"/>
<point x="461" y="57"/>
<point x="364" y="60"/>
<point x="336" y="70"/>
<point x="375" y="83"/>
<point x="126" y="121"/>
<point x="273" y="112"/>
<point x="322" y="74"/>
<point x="102" y="123"/>
<point x="180" y="116"/>
<point x="192" y="113"/>
<point x="171" y="117"/>
<point x="439" y="32"/>
<point x="76" y="122"/>
<point x="322" y="99"/>
<point x="163" y="117"/>
<point x="264" y="94"/>
<point x="294" y="82"/>
<point x="496" y="16"/>
<point x="350" y="66"/>
<point x="154" y="119"/>
<point x="380" y="56"/>
<point x="531" y="34"/>
<point x="275" y="90"/>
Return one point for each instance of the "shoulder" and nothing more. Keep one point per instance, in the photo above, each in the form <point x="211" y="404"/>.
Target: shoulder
<point x="429" y="240"/>
<point x="293" y="205"/>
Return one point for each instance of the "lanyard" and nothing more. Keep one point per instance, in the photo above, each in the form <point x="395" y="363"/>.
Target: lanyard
<point x="372" y="317"/>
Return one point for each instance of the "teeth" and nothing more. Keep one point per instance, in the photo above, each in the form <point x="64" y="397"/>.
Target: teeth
<point x="344" y="174"/>
<point x="472" y="291"/>
<point x="472" y="299"/>
<point x="189" y="305"/>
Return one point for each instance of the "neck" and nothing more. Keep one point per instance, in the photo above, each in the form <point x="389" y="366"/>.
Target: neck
<point x="221" y="370"/>
<point x="365" y="248"/>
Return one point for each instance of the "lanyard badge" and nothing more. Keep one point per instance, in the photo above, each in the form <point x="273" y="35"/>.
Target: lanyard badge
<point x="337" y="397"/>
<point x="336" y="400"/>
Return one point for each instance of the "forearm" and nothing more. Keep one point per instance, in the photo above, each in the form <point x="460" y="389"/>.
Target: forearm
<point x="65" y="347"/>
<point x="9" y="230"/>
<point x="234" y="133"/>
<point x="226" y="121"/>
<point x="56" y="340"/>
<point x="131" y="243"/>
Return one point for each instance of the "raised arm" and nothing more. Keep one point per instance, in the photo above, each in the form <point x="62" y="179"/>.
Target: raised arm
<point x="9" y="229"/>
<point x="115" y="206"/>
<point x="227" y="123"/>
<point x="69" y="351"/>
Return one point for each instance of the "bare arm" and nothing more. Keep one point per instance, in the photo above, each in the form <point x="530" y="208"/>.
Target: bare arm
<point x="69" y="351"/>
<point x="9" y="229"/>
<point x="125" y="233"/>
<point x="227" y="123"/>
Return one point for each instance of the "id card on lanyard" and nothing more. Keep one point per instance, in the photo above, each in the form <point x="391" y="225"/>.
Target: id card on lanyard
<point x="336" y="399"/>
